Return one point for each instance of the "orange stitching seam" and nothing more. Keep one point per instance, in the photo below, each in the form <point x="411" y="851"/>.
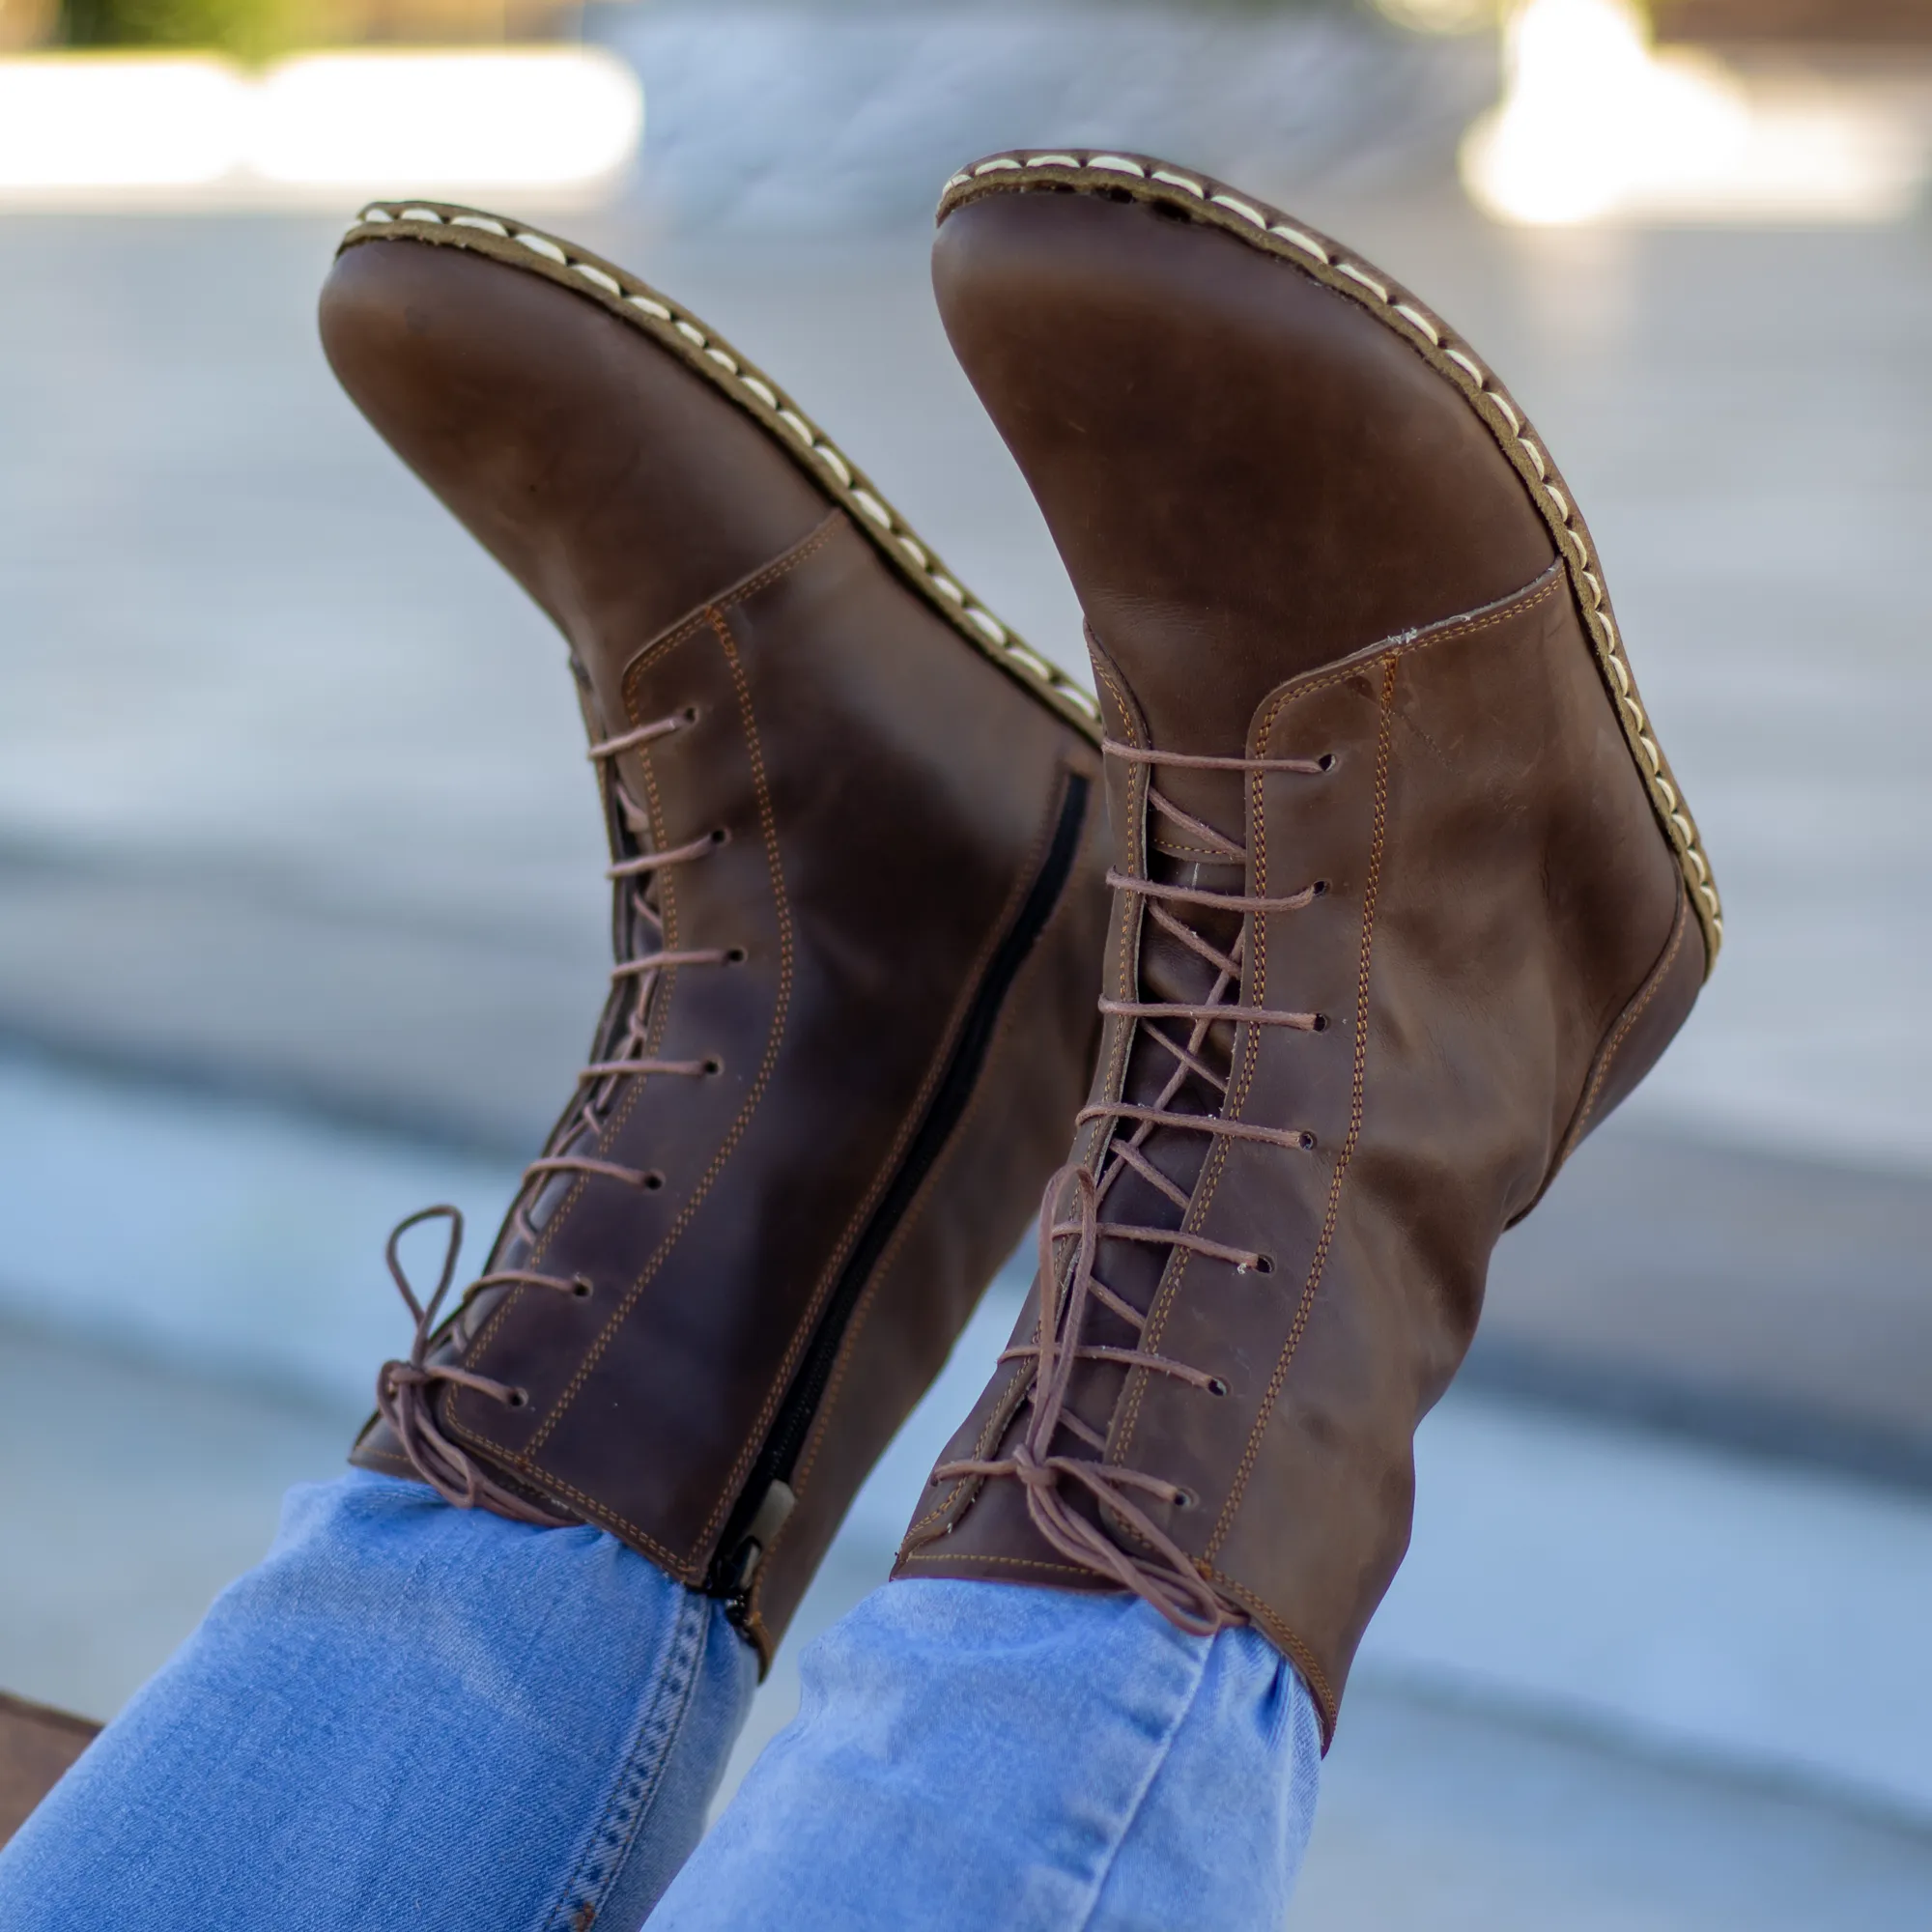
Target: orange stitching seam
<point x="680" y="631"/>
<point x="735" y="1134"/>
<point x="1358" y="1084"/>
<point x="1291" y="1645"/>
<point x="1448" y="630"/>
<point x="1005" y="1408"/>
<point x="1607" y="1054"/>
<point x="1007" y="1562"/>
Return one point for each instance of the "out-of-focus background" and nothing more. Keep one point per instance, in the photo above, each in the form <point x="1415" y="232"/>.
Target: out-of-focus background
<point x="301" y="918"/>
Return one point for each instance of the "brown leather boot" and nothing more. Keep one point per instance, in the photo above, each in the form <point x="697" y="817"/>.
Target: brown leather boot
<point x="857" y="846"/>
<point x="37" y="1745"/>
<point x="1405" y="898"/>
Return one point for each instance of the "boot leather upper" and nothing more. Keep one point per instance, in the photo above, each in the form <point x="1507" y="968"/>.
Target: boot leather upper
<point x="899" y="851"/>
<point x="1296" y="540"/>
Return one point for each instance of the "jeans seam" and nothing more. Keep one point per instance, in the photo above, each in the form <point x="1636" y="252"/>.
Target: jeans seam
<point x="1158" y="1759"/>
<point x="646" y="1755"/>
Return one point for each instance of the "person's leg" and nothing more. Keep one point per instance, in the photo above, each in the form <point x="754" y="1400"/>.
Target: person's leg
<point x="407" y="1714"/>
<point x="973" y="1755"/>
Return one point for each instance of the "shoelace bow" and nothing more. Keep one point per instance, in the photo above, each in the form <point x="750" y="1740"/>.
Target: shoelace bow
<point x="405" y="1389"/>
<point x="1172" y="1584"/>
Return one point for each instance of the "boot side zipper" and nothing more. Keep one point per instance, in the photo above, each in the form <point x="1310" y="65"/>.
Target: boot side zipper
<point x="768" y="1497"/>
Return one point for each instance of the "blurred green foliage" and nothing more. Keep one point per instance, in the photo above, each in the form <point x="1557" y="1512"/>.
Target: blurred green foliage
<point x="257" y="30"/>
<point x="251" y="30"/>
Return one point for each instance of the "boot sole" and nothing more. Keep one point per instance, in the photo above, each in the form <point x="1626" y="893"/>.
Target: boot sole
<point x="1125" y="177"/>
<point x="675" y="329"/>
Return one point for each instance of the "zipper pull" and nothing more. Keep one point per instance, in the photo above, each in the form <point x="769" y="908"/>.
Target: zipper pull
<point x="777" y="1504"/>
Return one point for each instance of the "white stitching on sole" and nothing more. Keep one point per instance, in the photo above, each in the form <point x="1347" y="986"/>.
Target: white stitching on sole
<point x="952" y="598"/>
<point x="1369" y="289"/>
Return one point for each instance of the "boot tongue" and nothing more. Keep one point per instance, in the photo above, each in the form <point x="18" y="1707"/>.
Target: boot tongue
<point x="1168" y="968"/>
<point x="1171" y="973"/>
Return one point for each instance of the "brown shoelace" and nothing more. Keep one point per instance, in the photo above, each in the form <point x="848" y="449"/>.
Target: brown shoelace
<point x="405" y="1390"/>
<point x="1171" y="1583"/>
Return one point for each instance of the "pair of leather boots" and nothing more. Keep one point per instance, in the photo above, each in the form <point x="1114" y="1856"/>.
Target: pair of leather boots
<point x="1366" y="849"/>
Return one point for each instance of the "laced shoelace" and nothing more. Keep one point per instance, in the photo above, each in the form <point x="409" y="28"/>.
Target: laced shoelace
<point x="405" y="1389"/>
<point x="1172" y="1584"/>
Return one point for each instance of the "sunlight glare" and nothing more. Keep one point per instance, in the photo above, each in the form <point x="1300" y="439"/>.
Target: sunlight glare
<point x="76" y="120"/>
<point x="1596" y="124"/>
<point x="160" y="130"/>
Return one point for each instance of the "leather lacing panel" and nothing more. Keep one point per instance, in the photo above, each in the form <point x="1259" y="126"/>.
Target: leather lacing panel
<point x="405" y="1390"/>
<point x="1043" y="1459"/>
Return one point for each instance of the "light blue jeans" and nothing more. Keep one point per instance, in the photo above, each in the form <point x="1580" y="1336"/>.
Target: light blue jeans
<point x="412" y="1716"/>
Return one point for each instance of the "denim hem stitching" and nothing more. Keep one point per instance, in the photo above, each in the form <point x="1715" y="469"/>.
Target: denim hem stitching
<point x="648" y="1753"/>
